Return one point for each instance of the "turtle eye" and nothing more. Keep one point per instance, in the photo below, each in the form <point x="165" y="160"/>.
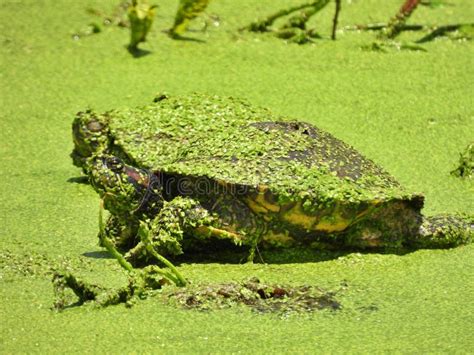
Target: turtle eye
<point x="114" y="164"/>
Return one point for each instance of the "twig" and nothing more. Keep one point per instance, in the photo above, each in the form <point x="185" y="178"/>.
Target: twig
<point x="397" y="22"/>
<point x="334" y="21"/>
<point x="262" y="25"/>
<point x="300" y="20"/>
<point x="381" y="26"/>
<point x="441" y="31"/>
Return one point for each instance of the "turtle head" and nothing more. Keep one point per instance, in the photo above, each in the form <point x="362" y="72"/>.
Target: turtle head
<point x="90" y="133"/>
<point x="124" y="189"/>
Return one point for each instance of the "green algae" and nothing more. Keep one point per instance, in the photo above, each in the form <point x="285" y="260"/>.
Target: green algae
<point x="418" y="302"/>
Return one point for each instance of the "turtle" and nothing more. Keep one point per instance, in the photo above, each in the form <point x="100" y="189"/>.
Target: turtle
<point x="189" y="170"/>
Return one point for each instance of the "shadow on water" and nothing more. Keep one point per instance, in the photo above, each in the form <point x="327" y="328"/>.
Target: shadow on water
<point x="218" y="254"/>
<point x="137" y="52"/>
<point x="189" y="39"/>
<point x="230" y="254"/>
<point x="222" y="252"/>
<point x="79" y="180"/>
<point x="184" y="38"/>
<point x="442" y="31"/>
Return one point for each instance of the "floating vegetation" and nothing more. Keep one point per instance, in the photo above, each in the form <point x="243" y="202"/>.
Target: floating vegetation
<point x="295" y="29"/>
<point x="389" y="31"/>
<point x="290" y="24"/>
<point x="260" y="297"/>
<point x="252" y="293"/>
<point x="35" y="264"/>
<point x="465" y="168"/>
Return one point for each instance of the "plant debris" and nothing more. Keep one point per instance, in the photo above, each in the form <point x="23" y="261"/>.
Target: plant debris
<point x="465" y="168"/>
<point x="260" y="297"/>
<point x="295" y="30"/>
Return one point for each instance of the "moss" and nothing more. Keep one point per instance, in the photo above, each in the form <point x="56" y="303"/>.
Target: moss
<point x="360" y="96"/>
<point x="228" y="140"/>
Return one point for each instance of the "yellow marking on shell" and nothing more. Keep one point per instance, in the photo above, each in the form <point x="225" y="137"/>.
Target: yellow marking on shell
<point x="259" y="204"/>
<point x="260" y="199"/>
<point x="335" y="223"/>
<point x="278" y="239"/>
<point x="297" y="216"/>
<point x="254" y="206"/>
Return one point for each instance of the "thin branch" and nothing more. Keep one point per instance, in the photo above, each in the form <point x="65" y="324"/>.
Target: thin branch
<point x="262" y="25"/>
<point x="335" y="19"/>
<point x="396" y="23"/>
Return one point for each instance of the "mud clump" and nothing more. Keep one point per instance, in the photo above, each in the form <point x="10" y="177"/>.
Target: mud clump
<point x="260" y="297"/>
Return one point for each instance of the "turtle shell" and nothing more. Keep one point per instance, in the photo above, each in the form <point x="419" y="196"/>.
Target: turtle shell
<point x="282" y="168"/>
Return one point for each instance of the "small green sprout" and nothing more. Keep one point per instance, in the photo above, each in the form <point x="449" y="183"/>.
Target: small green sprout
<point x="141" y="16"/>
<point x="465" y="168"/>
<point x="187" y="11"/>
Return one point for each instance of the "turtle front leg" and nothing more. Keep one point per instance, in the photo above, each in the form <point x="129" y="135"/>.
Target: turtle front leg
<point x="173" y="275"/>
<point x="121" y="232"/>
<point x="178" y="217"/>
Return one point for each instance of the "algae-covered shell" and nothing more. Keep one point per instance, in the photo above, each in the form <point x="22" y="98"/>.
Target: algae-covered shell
<point x="283" y="169"/>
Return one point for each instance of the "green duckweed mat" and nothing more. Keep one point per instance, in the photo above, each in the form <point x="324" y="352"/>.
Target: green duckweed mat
<point x="410" y="111"/>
